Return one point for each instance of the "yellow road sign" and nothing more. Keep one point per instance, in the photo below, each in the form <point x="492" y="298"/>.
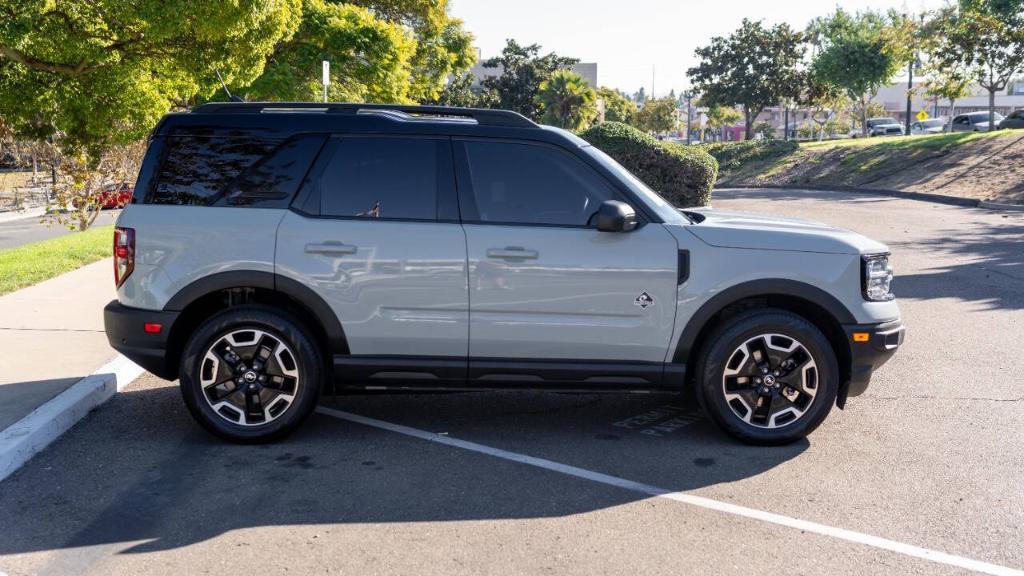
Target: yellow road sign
<point x="922" y="115"/>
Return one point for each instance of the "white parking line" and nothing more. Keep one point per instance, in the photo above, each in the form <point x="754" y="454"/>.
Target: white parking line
<point x="824" y="530"/>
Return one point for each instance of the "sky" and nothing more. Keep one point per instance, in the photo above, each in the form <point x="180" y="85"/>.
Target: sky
<point x="638" y="42"/>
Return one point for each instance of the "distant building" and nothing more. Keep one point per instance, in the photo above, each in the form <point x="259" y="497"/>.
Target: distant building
<point x="588" y="70"/>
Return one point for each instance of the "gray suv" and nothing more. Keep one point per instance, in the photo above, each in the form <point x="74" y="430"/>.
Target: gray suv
<point x="275" y="252"/>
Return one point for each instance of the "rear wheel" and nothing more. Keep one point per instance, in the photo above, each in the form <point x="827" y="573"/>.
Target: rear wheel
<point x="251" y="374"/>
<point x="768" y="377"/>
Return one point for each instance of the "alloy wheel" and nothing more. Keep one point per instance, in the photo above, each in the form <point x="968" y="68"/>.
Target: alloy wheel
<point x="249" y="377"/>
<point x="770" y="381"/>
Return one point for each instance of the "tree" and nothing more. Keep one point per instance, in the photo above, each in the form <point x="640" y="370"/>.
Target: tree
<point x="826" y="102"/>
<point x="371" y="58"/>
<point x="721" y="116"/>
<point x="103" y="72"/>
<point x="755" y="67"/>
<point x="986" y="37"/>
<point x="950" y="83"/>
<point x="640" y="97"/>
<point x="617" y="108"/>
<point x="443" y="48"/>
<point x="857" y="53"/>
<point x="567" y="101"/>
<point x="521" y="72"/>
<point x="460" y="92"/>
<point x="658" y="115"/>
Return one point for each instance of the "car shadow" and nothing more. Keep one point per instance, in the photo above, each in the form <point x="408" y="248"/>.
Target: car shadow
<point x="140" y="473"/>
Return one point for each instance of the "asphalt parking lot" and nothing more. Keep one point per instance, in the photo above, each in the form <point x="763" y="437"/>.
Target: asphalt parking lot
<point x="495" y="483"/>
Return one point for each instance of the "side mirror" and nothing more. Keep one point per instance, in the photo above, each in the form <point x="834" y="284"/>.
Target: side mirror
<point x="615" y="216"/>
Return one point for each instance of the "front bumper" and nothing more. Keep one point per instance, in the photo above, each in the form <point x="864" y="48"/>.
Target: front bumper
<point x="126" y="333"/>
<point x="871" y="346"/>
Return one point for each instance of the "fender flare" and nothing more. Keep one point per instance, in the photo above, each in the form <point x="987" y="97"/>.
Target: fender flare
<point x="764" y="287"/>
<point x="304" y="295"/>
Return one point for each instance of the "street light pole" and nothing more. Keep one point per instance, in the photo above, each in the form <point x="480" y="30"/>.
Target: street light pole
<point x="910" y="93"/>
<point x="689" y="116"/>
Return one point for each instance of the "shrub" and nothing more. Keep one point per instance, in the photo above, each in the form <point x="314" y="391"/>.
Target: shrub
<point x="683" y="175"/>
<point x="732" y="155"/>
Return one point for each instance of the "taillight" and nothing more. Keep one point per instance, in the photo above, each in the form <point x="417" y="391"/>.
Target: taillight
<point x="124" y="254"/>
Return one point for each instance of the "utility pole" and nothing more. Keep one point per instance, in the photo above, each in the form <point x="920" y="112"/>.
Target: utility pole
<point x="652" y="80"/>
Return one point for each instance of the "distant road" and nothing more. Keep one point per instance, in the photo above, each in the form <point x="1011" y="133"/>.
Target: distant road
<point x="27" y="230"/>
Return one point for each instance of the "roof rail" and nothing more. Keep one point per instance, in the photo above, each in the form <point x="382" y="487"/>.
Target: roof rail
<point x="482" y="117"/>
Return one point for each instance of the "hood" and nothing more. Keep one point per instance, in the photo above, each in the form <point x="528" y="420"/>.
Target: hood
<point x="727" y="229"/>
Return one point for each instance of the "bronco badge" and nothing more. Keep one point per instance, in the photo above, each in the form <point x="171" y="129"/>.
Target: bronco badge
<point x="643" y="300"/>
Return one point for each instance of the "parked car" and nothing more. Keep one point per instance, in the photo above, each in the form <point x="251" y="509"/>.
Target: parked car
<point x="974" y="122"/>
<point x="267" y="257"/>
<point x="116" y="195"/>
<point x="1014" y="120"/>
<point x="930" y="126"/>
<point x="884" y="127"/>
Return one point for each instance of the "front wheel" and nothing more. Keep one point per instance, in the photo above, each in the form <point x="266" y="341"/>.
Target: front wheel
<point x="251" y="374"/>
<point x="768" y="377"/>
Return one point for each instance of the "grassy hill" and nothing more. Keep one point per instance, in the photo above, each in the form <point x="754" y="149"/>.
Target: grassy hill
<point x="987" y="166"/>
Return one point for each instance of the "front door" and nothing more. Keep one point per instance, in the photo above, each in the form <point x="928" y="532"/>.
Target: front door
<point x="544" y="284"/>
<point x="376" y="235"/>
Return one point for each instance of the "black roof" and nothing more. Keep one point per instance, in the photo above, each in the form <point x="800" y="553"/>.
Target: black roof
<point x="282" y="119"/>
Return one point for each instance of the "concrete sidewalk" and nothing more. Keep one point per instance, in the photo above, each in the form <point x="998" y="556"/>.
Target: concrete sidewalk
<point x="51" y="336"/>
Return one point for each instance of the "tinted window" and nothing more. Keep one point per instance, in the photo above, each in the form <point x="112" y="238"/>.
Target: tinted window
<point x="197" y="168"/>
<point x="381" y="178"/>
<point x="273" y="180"/>
<point x="526" y="184"/>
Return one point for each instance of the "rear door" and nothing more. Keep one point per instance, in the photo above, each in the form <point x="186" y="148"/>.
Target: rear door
<point x="550" y="295"/>
<point x="375" y="232"/>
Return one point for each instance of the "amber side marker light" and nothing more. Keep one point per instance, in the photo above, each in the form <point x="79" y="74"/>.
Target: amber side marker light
<point x="861" y="337"/>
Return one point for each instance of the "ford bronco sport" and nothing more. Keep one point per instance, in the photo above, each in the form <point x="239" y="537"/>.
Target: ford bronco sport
<point x="274" y="252"/>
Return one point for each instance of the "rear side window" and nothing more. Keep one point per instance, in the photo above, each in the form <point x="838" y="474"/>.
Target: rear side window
<point x="197" y="168"/>
<point x="386" y="178"/>
<point x="272" y="181"/>
<point x="531" y="184"/>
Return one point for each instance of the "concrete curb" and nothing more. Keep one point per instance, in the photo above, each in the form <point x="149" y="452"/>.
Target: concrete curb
<point x="30" y="435"/>
<point x="919" y="196"/>
<point x="12" y="215"/>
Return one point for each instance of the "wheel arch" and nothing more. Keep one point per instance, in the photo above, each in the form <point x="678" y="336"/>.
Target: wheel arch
<point x="201" y="299"/>
<point x="820" y="308"/>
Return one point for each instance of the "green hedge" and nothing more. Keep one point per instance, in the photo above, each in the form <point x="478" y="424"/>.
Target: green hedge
<point x="732" y="155"/>
<point x="683" y="175"/>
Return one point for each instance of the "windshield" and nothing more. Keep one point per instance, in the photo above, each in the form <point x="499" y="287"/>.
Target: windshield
<point x="653" y="200"/>
<point x="882" y="122"/>
<point x="932" y="123"/>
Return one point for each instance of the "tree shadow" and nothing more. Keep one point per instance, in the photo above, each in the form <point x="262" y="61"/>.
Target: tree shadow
<point x="139" y="469"/>
<point x="984" y="266"/>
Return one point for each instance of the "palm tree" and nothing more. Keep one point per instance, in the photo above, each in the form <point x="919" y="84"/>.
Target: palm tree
<point x="568" y="101"/>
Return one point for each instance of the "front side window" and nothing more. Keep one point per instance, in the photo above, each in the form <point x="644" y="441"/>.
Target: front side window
<point x="386" y="178"/>
<point x="531" y="184"/>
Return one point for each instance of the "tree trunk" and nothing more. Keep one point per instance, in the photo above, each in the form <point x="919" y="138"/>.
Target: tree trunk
<point x="991" y="109"/>
<point x="749" y="128"/>
<point x="35" y="171"/>
<point x="952" y="113"/>
<point x="864" y="116"/>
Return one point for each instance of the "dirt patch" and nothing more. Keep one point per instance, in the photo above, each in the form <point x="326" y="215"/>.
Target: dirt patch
<point x="984" y="167"/>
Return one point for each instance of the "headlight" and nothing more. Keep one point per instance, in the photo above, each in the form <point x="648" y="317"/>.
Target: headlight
<point x="876" y="278"/>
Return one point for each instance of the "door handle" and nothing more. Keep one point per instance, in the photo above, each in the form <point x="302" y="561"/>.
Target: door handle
<point x="331" y="248"/>
<point x="512" y="253"/>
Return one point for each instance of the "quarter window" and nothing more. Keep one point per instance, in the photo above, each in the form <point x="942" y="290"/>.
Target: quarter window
<point x="387" y="178"/>
<point x="197" y="168"/>
<point x="531" y="184"/>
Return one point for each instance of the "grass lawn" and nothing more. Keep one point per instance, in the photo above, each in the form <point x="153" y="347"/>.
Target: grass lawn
<point x="32" y="263"/>
<point x="925" y="141"/>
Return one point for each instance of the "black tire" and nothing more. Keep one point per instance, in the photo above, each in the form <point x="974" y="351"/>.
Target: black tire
<point x="300" y="365"/>
<point x="724" y="346"/>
